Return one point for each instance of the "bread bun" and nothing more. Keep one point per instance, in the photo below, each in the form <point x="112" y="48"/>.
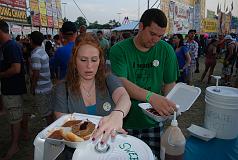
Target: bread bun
<point x="57" y="134"/>
<point x="69" y="136"/>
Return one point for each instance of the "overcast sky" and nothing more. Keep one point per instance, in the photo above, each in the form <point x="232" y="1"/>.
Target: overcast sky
<point x="105" y="10"/>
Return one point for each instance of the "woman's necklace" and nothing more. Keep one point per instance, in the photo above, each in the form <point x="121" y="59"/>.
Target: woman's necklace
<point x="88" y="94"/>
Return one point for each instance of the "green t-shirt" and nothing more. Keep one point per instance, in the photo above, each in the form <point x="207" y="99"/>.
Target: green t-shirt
<point x="149" y="70"/>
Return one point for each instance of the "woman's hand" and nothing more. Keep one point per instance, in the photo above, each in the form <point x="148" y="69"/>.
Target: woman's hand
<point x="109" y="126"/>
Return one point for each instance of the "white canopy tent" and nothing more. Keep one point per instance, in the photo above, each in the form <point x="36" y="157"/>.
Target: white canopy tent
<point x="130" y="26"/>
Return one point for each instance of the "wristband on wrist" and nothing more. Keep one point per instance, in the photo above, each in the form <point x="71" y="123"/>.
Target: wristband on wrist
<point x="118" y="110"/>
<point x="148" y="95"/>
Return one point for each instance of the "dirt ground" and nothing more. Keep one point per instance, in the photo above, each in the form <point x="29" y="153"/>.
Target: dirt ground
<point x="195" y="115"/>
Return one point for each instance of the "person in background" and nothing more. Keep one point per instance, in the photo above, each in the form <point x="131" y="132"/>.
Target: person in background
<point x="13" y="85"/>
<point x="113" y="39"/>
<point x="18" y="40"/>
<point x="40" y="79"/>
<point x="82" y="30"/>
<point x="147" y="66"/>
<point x="183" y="56"/>
<point x="126" y="35"/>
<point x="89" y="89"/>
<point x="49" y="48"/>
<point x="57" y="42"/>
<point x="47" y="38"/>
<point x="192" y="45"/>
<point x="197" y="39"/>
<point x="221" y="46"/>
<point x="210" y="61"/>
<point x="229" y="59"/>
<point x="63" y="54"/>
<point x="104" y="43"/>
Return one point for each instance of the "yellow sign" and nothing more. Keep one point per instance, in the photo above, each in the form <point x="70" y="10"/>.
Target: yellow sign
<point x="58" y="4"/>
<point x="209" y="25"/>
<point x="43" y="20"/>
<point x="42" y="7"/>
<point x="12" y="14"/>
<point x="34" y="6"/>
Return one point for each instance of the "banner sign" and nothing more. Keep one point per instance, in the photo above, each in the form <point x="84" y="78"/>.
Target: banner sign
<point x="49" y="31"/>
<point x="60" y="23"/>
<point x="50" y="21"/>
<point x="59" y="13"/>
<point x="58" y="4"/>
<point x="43" y="31"/>
<point x="36" y="20"/>
<point x="43" y="19"/>
<point x="35" y="29"/>
<point x="209" y="25"/>
<point x="12" y="14"/>
<point x="197" y="19"/>
<point x="34" y="6"/>
<point x="16" y="30"/>
<point x="56" y="25"/>
<point x="42" y="7"/>
<point x="224" y="22"/>
<point x="49" y="10"/>
<point x="210" y="14"/>
<point x="55" y="31"/>
<point x="14" y="3"/>
<point x="180" y="17"/>
<point x="26" y="30"/>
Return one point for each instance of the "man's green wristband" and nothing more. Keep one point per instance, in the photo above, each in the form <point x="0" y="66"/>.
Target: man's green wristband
<point x="148" y="95"/>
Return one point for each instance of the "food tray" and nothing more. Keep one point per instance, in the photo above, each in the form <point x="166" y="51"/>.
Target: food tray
<point x="40" y="139"/>
<point x="182" y="95"/>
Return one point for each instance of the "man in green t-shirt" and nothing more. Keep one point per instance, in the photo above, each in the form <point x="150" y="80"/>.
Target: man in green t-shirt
<point x="148" y="68"/>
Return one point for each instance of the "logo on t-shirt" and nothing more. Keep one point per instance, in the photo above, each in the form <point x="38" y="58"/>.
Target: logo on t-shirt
<point x="107" y="106"/>
<point x="156" y="63"/>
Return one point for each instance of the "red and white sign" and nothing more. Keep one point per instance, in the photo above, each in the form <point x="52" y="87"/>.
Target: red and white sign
<point x="26" y="30"/>
<point x="16" y="30"/>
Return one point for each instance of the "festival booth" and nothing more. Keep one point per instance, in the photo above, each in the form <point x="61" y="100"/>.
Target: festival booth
<point x="127" y="27"/>
<point x="218" y="139"/>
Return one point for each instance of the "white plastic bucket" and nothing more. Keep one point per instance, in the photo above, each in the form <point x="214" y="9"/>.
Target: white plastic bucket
<point x="221" y="112"/>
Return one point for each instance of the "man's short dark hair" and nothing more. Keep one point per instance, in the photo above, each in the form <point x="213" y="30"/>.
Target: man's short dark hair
<point x="56" y="37"/>
<point x="68" y="28"/>
<point x="4" y="26"/>
<point x="192" y="31"/>
<point x="154" y="15"/>
<point x="37" y="38"/>
<point x="18" y="37"/>
<point x="99" y="32"/>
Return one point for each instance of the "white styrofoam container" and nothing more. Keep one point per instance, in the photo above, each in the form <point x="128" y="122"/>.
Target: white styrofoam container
<point x="201" y="133"/>
<point x="41" y="137"/>
<point x="146" y="106"/>
<point x="182" y="94"/>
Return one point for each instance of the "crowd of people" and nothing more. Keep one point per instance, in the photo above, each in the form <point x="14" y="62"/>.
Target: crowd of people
<point x="68" y="73"/>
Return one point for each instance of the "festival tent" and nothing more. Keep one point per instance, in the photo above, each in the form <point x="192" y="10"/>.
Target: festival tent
<point x="125" y="27"/>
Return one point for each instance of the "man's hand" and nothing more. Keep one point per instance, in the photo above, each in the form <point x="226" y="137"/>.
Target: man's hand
<point x="162" y="105"/>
